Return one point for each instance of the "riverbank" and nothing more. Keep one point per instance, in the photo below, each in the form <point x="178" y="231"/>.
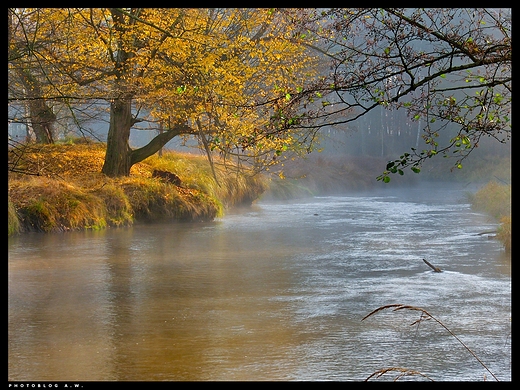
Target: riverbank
<point x="57" y="188"/>
<point x="60" y="188"/>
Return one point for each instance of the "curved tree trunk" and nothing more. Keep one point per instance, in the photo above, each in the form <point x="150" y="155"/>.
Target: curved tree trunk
<point x="157" y="143"/>
<point x="119" y="157"/>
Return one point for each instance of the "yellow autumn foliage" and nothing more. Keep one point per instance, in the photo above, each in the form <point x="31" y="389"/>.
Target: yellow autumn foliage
<point x="221" y="72"/>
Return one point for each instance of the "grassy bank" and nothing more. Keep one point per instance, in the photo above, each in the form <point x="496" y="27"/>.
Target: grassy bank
<point x="65" y="190"/>
<point x="494" y="199"/>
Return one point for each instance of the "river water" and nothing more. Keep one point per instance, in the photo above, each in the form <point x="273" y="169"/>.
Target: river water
<point x="274" y="292"/>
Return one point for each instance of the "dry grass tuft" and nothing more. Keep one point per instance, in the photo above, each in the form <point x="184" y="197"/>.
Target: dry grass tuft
<point x="50" y="205"/>
<point x="504" y="233"/>
<point x="13" y="222"/>
<point x="494" y="199"/>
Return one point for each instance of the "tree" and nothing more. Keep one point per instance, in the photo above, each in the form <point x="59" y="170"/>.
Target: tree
<point x="25" y="81"/>
<point x="449" y="68"/>
<point x="218" y="75"/>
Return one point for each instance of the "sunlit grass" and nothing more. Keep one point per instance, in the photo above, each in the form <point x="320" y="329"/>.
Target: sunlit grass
<point x="228" y="185"/>
<point x="66" y="190"/>
<point x="494" y="199"/>
<point x="13" y="223"/>
<point x="50" y="205"/>
<point x="504" y="233"/>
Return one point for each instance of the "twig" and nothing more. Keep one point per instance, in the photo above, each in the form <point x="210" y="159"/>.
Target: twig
<point x="427" y="316"/>
<point x="402" y="372"/>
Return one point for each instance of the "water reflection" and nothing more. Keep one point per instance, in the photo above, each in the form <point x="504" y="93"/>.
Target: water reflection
<point x="275" y="292"/>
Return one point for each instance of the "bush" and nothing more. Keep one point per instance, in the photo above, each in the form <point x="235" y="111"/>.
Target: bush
<point x="494" y="199"/>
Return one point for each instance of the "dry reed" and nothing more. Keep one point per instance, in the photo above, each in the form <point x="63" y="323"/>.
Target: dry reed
<point x="424" y="316"/>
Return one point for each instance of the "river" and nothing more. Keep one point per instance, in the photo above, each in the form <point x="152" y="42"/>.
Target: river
<point x="273" y="292"/>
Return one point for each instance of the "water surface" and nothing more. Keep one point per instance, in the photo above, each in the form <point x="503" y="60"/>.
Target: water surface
<point x="272" y="292"/>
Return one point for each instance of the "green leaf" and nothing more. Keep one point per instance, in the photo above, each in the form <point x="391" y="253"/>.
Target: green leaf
<point x="386" y="179"/>
<point x="415" y="169"/>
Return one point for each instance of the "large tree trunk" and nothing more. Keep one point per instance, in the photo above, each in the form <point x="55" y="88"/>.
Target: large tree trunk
<point x="119" y="157"/>
<point x="118" y="154"/>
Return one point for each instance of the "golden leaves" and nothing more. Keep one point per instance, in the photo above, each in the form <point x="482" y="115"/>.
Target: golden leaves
<point x="224" y="67"/>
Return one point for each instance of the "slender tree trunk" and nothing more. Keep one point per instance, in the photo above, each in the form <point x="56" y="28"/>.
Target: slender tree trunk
<point x="118" y="154"/>
<point x="160" y="132"/>
<point x="42" y="119"/>
<point x="40" y="114"/>
<point x="418" y="134"/>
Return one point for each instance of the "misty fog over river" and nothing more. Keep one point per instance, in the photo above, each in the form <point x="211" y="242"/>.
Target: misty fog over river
<point x="276" y="291"/>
